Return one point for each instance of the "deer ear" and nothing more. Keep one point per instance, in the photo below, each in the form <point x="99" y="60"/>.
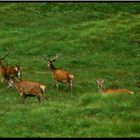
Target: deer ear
<point x="98" y="81"/>
<point x="102" y="81"/>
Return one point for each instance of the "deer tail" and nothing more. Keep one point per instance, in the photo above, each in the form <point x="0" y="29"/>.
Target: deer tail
<point x="42" y="87"/>
<point x="71" y="76"/>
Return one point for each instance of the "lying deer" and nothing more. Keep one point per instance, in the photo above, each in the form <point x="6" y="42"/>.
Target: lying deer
<point x="114" y="91"/>
<point x="29" y="88"/>
<point x="59" y="75"/>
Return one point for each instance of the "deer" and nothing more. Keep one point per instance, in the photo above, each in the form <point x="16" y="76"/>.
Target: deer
<point x="2" y="66"/>
<point x="13" y="71"/>
<point x="8" y="71"/>
<point x="59" y="75"/>
<point x="29" y="88"/>
<point x="101" y="89"/>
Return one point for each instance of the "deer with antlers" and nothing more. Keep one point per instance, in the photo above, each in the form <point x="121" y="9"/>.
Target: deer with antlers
<point x="8" y="71"/>
<point x="101" y="89"/>
<point x="13" y="71"/>
<point x="59" y="75"/>
<point x="2" y="67"/>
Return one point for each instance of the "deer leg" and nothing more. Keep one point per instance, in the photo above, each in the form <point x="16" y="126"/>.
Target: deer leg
<point x="2" y="80"/>
<point x="9" y="84"/>
<point x="56" y="83"/>
<point x="41" y="97"/>
<point x="67" y="86"/>
<point x="53" y="84"/>
<point x="38" y="97"/>
<point x="45" y="98"/>
<point x="70" y="85"/>
<point x="23" y="98"/>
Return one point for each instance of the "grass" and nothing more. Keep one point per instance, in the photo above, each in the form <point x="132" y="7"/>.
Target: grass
<point x="96" y="41"/>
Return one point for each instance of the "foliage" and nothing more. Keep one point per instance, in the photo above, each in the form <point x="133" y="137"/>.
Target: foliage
<point x="96" y="40"/>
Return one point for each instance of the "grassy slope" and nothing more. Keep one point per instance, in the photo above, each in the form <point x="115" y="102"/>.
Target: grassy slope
<point x="96" y="41"/>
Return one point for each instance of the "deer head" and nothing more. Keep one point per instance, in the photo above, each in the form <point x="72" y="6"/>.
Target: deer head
<point x="52" y="59"/>
<point x="100" y="83"/>
<point x="18" y="70"/>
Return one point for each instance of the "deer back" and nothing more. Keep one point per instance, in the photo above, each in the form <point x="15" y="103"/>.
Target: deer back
<point x="28" y="86"/>
<point x="115" y="91"/>
<point x="61" y="75"/>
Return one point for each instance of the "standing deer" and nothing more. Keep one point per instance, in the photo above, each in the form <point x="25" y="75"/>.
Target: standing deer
<point x="28" y="88"/>
<point x="101" y="89"/>
<point x="2" y="67"/>
<point x="13" y="71"/>
<point x="8" y="71"/>
<point x="59" y="75"/>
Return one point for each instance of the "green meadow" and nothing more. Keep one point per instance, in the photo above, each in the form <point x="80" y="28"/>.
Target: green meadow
<point x="96" y="40"/>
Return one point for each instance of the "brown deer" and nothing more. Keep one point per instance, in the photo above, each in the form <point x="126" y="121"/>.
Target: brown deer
<point x="13" y="71"/>
<point x="8" y="71"/>
<point x="2" y="66"/>
<point x="59" y="75"/>
<point x="101" y="89"/>
<point x="28" y="88"/>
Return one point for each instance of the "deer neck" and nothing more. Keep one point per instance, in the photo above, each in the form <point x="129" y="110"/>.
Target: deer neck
<point x="2" y="69"/>
<point x="1" y="65"/>
<point x="100" y="89"/>
<point x="15" y="84"/>
<point x="51" y="67"/>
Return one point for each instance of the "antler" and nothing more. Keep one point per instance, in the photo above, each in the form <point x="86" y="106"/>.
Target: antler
<point x="45" y="57"/>
<point x="52" y="59"/>
<point x="57" y="55"/>
<point x="2" y="58"/>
